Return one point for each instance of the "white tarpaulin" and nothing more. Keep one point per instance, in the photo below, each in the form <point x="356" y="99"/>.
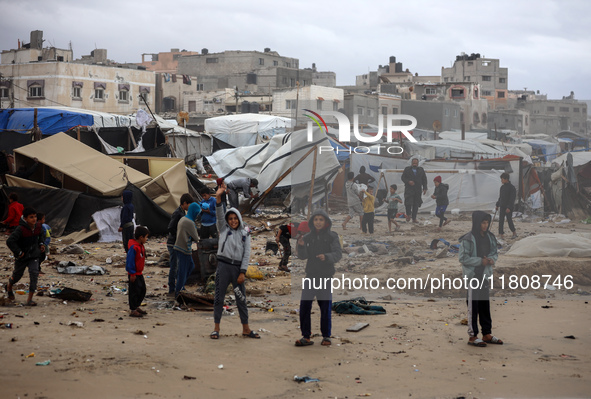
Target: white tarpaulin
<point x="267" y="162"/>
<point x="107" y="222"/>
<point x="445" y="149"/>
<point x="246" y="129"/>
<point x="577" y="245"/>
<point x="579" y="158"/>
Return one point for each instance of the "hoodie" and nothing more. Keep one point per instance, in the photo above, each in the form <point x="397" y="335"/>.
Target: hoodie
<point x="507" y="195"/>
<point x="26" y="241"/>
<point x="440" y="194"/>
<point x="15" y="211"/>
<point x="233" y="244"/>
<point x="317" y="242"/>
<point x="128" y="209"/>
<point x="136" y="258"/>
<point x="187" y="231"/>
<point x="474" y="246"/>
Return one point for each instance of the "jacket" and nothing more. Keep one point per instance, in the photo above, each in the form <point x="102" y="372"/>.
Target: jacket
<point x="420" y="180"/>
<point x="172" y="225"/>
<point x="507" y="195"/>
<point x="208" y="218"/>
<point x="369" y="204"/>
<point x="25" y="240"/>
<point x="318" y="242"/>
<point x="243" y="184"/>
<point x="471" y="262"/>
<point x="352" y="190"/>
<point x="187" y="231"/>
<point x="136" y="258"/>
<point x="127" y="210"/>
<point x="440" y="194"/>
<point x="233" y="244"/>
<point x="15" y="211"/>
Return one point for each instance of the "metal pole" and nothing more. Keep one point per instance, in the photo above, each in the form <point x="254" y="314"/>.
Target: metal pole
<point x="310" y="201"/>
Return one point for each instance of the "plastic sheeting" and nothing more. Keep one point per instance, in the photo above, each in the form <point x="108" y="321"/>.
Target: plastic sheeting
<point x="577" y="245"/>
<point x="108" y="221"/>
<point x="445" y="149"/>
<point x="246" y="129"/>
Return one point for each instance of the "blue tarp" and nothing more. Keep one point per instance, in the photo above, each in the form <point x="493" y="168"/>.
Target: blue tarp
<point x="341" y="151"/>
<point x="550" y="150"/>
<point x="50" y="121"/>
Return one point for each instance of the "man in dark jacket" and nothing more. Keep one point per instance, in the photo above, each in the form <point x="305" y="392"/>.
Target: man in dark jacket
<point x="441" y="200"/>
<point x="363" y="177"/>
<point x="26" y="243"/>
<point x="126" y="228"/>
<point x="414" y="178"/>
<point x="186" y="199"/>
<point x="322" y="249"/>
<point x="505" y="204"/>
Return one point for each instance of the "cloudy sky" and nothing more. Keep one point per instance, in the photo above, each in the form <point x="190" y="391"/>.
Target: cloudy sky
<point x="546" y="44"/>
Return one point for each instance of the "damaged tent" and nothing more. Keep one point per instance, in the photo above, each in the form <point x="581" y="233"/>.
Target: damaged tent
<point x="246" y="129"/>
<point x="569" y="187"/>
<point x="287" y="159"/>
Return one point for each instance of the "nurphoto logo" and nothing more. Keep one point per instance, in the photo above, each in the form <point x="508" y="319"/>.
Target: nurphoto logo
<point x="345" y="130"/>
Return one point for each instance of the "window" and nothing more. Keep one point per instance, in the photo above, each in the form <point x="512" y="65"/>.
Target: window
<point x="502" y="80"/>
<point x="123" y="96"/>
<point x="288" y="65"/>
<point x="446" y="112"/>
<point x="3" y="92"/>
<point x="550" y="109"/>
<point x="394" y="111"/>
<point x="284" y="81"/>
<point x="575" y="109"/>
<point x="335" y="106"/>
<point x="199" y="86"/>
<point x="384" y="110"/>
<point x="564" y="109"/>
<point x="275" y="63"/>
<point x="211" y="60"/>
<point x="445" y="79"/>
<point x="484" y="118"/>
<point x="455" y="113"/>
<point x="251" y="78"/>
<point x="526" y="120"/>
<point x="192" y="106"/>
<point x="35" y="91"/>
<point x="76" y="92"/>
<point x="99" y="94"/>
<point x="430" y="91"/>
<point x="290" y="104"/>
<point x="485" y="63"/>
<point x="466" y="78"/>
<point x="470" y="63"/>
<point x="369" y="112"/>
<point x="575" y="124"/>
<point x="457" y="93"/>
<point x="261" y="61"/>
<point x="292" y="82"/>
<point x="476" y="118"/>
<point x="359" y="111"/>
<point x="500" y="94"/>
<point x="486" y="93"/>
<point x="486" y="78"/>
<point x="319" y="105"/>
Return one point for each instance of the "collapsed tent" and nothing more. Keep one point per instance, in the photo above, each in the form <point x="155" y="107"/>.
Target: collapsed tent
<point x="576" y="245"/>
<point x="246" y="129"/>
<point x="268" y="162"/>
<point x="569" y="187"/>
<point x="446" y="149"/>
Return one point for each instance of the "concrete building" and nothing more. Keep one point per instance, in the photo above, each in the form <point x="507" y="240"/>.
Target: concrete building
<point x="166" y="62"/>
<point x="248" y="71"/>
<point x="34" y="52"/>
<point x="288" y="103"/>
<point x="226" y="101"/>
<point x="487" y="72"/>
<point x="509" y="119"/>
<point x="171" y="90"/>
<point x="323" y="78"/>
<point x="553" y="116"/>
<point x="428" y="112"/>
<point x="389" y="104"/>
<point x="474" y="108"/>
<point x="366" y="106"/>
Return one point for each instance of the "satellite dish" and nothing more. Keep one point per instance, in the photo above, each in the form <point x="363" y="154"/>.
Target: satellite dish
<point x="437" y="126"/>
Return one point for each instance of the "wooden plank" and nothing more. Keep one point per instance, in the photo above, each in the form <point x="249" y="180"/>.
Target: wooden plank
<point x="357" y="327"/>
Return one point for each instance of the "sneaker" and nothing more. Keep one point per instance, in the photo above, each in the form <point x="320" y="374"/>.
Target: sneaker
<point x="140" y="310"/>
<point x="135" y="313"/>
<point x="514" y="235"/>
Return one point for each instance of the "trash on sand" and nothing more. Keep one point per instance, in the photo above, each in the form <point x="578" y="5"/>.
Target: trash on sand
<point x="221" y="366"/>
<point x="357" y="327"/>
<point x="73" y="249"/>
<point x="305" y="379"/>
<point x="88" y="270"/>
<point x="30" y="355"/>
<point x="71" y="294"/>
<point x="570" y="337"/>
<point x="78" y="324"/>
<point x="45" y="363"/>
<point x="188" y="377"/>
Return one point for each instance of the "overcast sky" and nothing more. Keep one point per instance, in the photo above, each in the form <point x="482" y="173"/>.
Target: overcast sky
<point x="546" y="44"/>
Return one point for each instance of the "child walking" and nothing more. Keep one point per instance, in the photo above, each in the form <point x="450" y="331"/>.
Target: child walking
<point x="322" y="249"/>
<point x="441" y="200"/>
<point x="233" y="257"/>
<point x="368" y="211"/>
<point x="134" y="265"/>
<point x="46" y="233"/>
<point x="26" y="243"/>
<point x="185" y="235"/>
<point x="393" y="201"/>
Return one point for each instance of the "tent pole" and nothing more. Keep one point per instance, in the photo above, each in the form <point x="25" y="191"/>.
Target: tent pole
<point x="310" y="197"/>
<point x="279" y="179"/>
<point x="521" y="184"/>
<point x="130" y="137"/>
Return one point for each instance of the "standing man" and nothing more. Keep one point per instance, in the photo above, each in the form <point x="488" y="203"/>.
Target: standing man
<point x="244" y="184"/>
<point x="353" y="200"/>
<point x="186" y="200"/>
<point x="413" y="178"/>
<point x="505" y="204"/>
<point x="363" y="177"/>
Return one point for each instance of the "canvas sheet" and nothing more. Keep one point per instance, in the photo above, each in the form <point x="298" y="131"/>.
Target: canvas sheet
<point x="246" y="129"/>
<point x="576" y="245"/>
<point x="108" y="221"/>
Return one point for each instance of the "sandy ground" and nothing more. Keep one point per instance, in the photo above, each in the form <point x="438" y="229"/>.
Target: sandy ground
<point x="418" y="349"/>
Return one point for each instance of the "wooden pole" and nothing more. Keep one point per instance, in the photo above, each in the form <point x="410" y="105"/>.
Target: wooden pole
<point x="130" y="137"/>
<point x="78" y="132"/>
<point x="267" y="191"/>
<point x="463" y="131"/>
<point x="312" y="182"/>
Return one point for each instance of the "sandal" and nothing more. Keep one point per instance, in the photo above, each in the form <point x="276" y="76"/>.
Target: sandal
<point x="141" y="311"/>
<point x="326" y="342"/>
<point x="304" y="342"/>
<point x="251" y="334"/>
<point x="494" y="340"/>
<point x="477" y="342"/>
<point x="214" y="335"/>
<point x="31" y="303"/>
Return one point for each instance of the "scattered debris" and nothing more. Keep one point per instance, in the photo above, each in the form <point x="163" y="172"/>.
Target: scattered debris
<point x="357" y="327"/>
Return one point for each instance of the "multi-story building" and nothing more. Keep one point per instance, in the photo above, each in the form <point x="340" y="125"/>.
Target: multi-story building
<point x="291" y="103"/>
<point x="166" y="62"/>
<point x="487" y="72"/>
<point x="553" y="116"/>
<point x="323" y="78"/>
<point x="431" y="113"/>
<point x="365" y="106"/>
<point x="516" y="120"/>
<point x="36" y="77"/>
<point x="247" y="71"/>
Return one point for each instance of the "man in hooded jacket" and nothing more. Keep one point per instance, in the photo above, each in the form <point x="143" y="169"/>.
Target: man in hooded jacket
<point x="478" y="254"/>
